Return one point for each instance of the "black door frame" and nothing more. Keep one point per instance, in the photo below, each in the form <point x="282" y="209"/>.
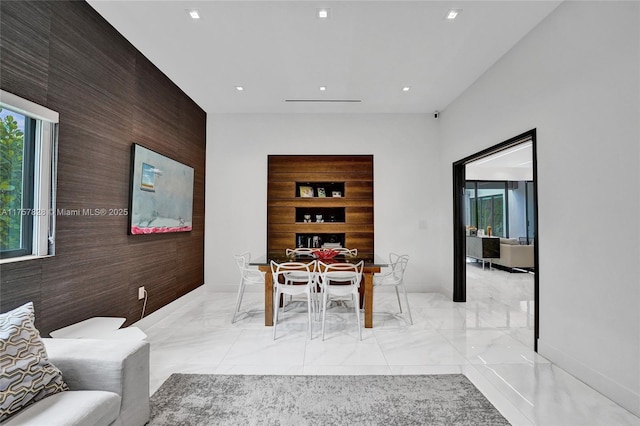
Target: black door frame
<point x="459" y="232"/>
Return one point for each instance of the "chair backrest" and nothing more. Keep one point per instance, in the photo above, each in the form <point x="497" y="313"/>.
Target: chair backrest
<point x="248" y="275"/>
<point x="346" y="252"/>
<point x="340" y="273"/>
<point x="302" y="251"/>
<point x="301" y="272"/>
<point x="242" y="260"/>
<point x="398" y="263"/>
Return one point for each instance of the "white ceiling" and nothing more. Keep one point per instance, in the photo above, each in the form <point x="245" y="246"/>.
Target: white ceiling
<point x="366" y="50"/>
<point x="513" y="164"/>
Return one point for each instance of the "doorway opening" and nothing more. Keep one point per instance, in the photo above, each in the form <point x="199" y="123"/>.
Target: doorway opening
<point x="480" y="207"/>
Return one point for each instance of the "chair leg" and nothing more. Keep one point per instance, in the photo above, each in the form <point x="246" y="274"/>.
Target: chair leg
<point x="238" y="302"/>
<point x="310" y="308"/>
<point x="275" y="314"/>
<point x="398" y="296"/>
<point x="316" y="303"/>
<point x="406" y="300"/>
<point x="357" y="306"/>
<point x="324" y="309"/>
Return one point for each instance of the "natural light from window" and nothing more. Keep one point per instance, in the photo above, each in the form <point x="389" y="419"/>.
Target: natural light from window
<point x="27" y="178"/>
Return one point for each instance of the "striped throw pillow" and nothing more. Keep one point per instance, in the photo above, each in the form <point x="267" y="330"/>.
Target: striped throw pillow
<point x="26" y="375"/>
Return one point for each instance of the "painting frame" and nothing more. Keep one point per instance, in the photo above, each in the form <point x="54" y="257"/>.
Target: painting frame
<point x="160" y="193"/>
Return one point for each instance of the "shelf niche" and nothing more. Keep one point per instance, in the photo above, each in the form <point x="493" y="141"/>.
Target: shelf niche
<point x="319" y="189"/>
<point x="329" y="214"/>
<point x="309" y="240"/>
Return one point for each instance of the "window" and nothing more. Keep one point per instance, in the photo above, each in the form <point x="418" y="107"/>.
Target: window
<point x="491" y="214"/>
<point x="27" y="178"/>
<point x="485" y="206"/>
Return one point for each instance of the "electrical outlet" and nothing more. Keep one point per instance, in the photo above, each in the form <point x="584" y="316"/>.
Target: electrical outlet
<point x="141" y="293"/>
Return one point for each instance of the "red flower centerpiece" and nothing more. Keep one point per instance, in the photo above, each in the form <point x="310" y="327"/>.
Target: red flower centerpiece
<point x="325" y="254"/>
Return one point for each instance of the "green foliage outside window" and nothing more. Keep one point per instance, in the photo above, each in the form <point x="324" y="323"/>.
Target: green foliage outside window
<point x="490" y="213"/>
<point x="11" y="165"/>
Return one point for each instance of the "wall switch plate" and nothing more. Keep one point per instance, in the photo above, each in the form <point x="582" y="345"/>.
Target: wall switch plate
<point x="140" y="293"/>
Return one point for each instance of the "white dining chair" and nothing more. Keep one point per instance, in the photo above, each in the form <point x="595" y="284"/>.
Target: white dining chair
<point x="299" y="251"/>
<point x="286" y="284"/>
<point x="248" y="276"/>
<point x="346" y="252"/>
<point x="297" y="254"/>
<point x="340" y="279"/>
<point x="395" y="278"/>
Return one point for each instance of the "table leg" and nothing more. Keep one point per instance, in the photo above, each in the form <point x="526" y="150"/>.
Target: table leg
<point x="268" y="299"/>
<point x="368" y="300"/>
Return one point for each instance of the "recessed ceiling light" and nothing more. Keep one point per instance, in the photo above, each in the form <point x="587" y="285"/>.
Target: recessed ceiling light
<point x="323" y="88"/>
<point x="239" y="88"/>
<point x="322" y="13"/>
<point x="406" y="88"/>
<point x="194" y="14"/>
<point x="452" y="14"/>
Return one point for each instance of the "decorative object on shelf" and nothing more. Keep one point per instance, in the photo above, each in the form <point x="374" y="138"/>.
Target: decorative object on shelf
<point x="321" y="193"/>
<point x="316" y="241"/>
<point x="306" y="191"/>
<point x="325" y="254"/>
<point x="319" y="218"/>
<point x="307" y="218"/>
<point x="488" y="231"/>
<point x="336" y="194"/>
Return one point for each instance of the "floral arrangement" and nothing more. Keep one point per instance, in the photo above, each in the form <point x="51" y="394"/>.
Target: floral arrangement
<point x="324" y="254"/>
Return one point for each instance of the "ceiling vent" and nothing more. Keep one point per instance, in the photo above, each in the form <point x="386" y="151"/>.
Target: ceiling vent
<point x="324" y="100"/>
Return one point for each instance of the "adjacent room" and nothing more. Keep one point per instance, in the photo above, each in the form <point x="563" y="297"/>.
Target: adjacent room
<point x="238" y="212"/>
<point x="500" y="214"/>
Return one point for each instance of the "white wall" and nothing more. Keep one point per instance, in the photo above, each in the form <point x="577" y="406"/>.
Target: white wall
<point x="575" y="78"/>
<point x="407" y="164"/>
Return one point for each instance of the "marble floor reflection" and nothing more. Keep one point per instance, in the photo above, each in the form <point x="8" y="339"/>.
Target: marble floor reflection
<point x="489" y="339"/>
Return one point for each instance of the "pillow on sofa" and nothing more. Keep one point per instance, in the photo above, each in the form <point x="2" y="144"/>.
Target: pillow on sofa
<point x="27" y="375"/>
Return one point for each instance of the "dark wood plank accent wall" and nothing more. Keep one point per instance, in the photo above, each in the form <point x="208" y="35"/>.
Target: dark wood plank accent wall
<point x="65" y="56"/>
<point x="352" y="173"/>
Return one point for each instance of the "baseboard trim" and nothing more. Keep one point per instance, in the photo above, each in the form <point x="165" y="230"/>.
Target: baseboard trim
<point x="151" y="319"/>
<point x="613" y="390"/>
<point x="231" y="288"/>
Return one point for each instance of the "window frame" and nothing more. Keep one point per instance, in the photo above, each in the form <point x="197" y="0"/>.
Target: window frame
<point x="39" y="213"/>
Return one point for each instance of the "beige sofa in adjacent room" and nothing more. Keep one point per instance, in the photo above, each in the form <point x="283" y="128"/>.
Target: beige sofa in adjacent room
<point x="514" y="255"/>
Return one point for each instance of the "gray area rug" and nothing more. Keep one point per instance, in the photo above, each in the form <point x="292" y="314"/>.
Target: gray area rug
<point x="202" y="399"/>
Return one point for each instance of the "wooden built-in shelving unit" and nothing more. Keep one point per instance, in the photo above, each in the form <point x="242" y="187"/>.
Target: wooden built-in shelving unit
<point x="346" y="219"/>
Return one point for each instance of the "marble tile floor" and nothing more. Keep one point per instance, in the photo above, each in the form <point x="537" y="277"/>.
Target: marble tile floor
<point x="489" y="339"/>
